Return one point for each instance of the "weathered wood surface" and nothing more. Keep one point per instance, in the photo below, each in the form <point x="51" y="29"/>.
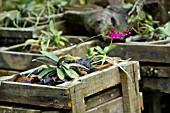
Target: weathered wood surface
<point x="130" y="89"/>
<point x="16" y="60"/>
<point x="72" y="95"/>
<point x="7" y="72"/>
<point x="156" y="77"/>
<point x="8" y="32"/>
<point x="7" y="109"/>
<point x="113" y="106"/>
<point x="103" y="97"/>
<point x="84" y="90"/>
<point x="161" y="84"/>
<point x="142" y="52"/>
<point x="40" y="95"/>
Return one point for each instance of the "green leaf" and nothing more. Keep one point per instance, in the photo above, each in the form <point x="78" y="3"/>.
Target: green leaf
<point x="50" y="55"/>
<point x="90" y="51"/>
<point x="65" y="65"/>
<point x="52" y="28"/>
<point x="73" y="74"/>
<point x="78" y="65"/>
<point x="46" y="33"/>
<point x="167" y="28"/>
<point x="30" y="41"/>
<point x="45" y="72"/>
<point x="52" y="73"/>
<point x="160" y="30"/>
<point x="81" y="39"/>
<point x="61" y="43"/>
<point x="64" y="39"/>
<point x="149" y="17"/>
<point x="82" y="2"/>
<point x="99" y="49"/>
<point x="111" y="46"/>
<point x="59" y="33"/>
<point x="60" y="74"/>
<point x="150" y="28"/>
<point x="43" y="47"/>
<point x="67" y="71"/>
<point x="45" y="59"/>
<point x="106" y="49"/>
<point x="103" y="61"/>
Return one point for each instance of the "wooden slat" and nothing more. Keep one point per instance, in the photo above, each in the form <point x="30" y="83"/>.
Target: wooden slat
<point x="17" y="60"/>
<point x="40" y="95"/>
<point x="130" y="89"/>
<point x="113" y="106"/>
<point x="142" y="52"/>
<point x="161" y="84"/>
<point x="7" y="72"/>
<point x="102" y="97"/>
<point x="27" y="32"/>
<point x="155" y="71"/>
<point x="7" y="109"/>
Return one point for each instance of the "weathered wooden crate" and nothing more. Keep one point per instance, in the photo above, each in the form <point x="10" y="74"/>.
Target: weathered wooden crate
<point x="10" y="35"/>
<point x="109" y="90"/>
<point x="17" y="58"/>
<point x="154" y="60"/>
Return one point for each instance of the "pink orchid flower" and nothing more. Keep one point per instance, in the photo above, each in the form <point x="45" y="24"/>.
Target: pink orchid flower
<point x="118" y="35"/>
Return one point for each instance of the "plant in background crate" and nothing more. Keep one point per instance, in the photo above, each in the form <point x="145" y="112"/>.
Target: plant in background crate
<point x="30" y="14"/>
<point x="144" y="27"/>
<point x="48" y="41"/>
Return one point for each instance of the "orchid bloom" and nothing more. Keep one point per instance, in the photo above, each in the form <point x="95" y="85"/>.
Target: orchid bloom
<point x="119" y="35"/>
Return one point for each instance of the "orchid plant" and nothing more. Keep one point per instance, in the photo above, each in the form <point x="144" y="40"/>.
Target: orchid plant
<point x="49" y="39"/>
<point x="144" y="24"/>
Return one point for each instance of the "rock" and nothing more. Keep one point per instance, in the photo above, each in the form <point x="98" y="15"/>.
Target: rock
<point x="105" y="3"/>
<point x="96" y="21"/>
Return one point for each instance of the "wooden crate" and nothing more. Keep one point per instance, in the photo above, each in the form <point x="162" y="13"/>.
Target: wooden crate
<point x="12" y="58"/>
<point x="107" y="91"/>
<point x="10" y="35"/>
<point x="154" y="60"/>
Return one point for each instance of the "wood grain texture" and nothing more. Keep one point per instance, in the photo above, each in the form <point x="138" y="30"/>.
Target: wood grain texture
<point x="161" y="84"/>
<point x="7" y="72"/>
<point x="34" y="95"/>
<point x="103" y="97"/>
<point x="142" y="52"/>
<point x="113" y="106"/>
<point x="130" y="90"/>
<point x="7" y="109"/>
